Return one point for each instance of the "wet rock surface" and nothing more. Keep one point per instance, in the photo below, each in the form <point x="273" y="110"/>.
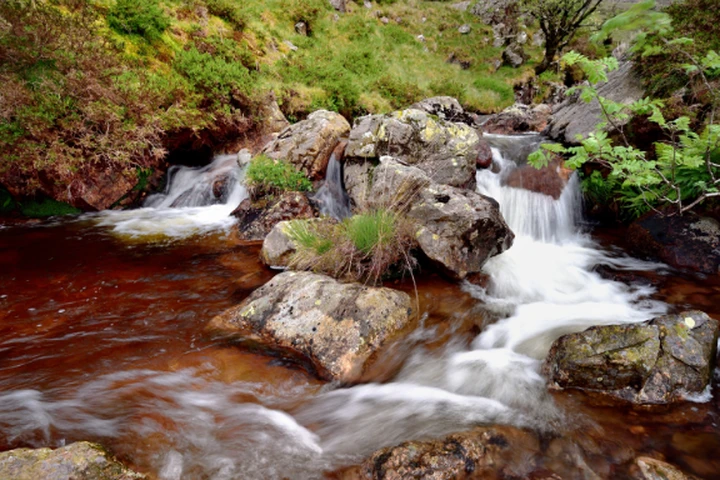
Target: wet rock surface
<point x="654" y="362"/>
<point x="256" y="219"/>
<point x="690" y="241"/>
<point x="445" y="151"/>
<point x="573" y="117"/>
<point x="647" y="468"/>
<point x="457" y="229"/>
<point x="337" y="328"/>
<point x="485" y="452"/>
<point x="77" y="461"/>
<point x="549" y="180"/>
<point x="308" y="144"/>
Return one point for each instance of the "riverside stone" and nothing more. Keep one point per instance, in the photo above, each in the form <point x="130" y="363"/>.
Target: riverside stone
<point x="308" y="144"/>
<point x="337" y="328"/>
<point x="446" y="151"/>
<point x="484" y="452"/>
<point x="654" y="362"/>
<point x="456" y="228"/>
<point x="278" y="247"/>
<point x="549" y="180"/>
<point x="77" y="461"/>
<point x="256" y="219"/>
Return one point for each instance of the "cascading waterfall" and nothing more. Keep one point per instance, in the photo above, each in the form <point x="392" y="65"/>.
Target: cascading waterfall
<point x="196" y="200"/>
<point x="331" y="198"/>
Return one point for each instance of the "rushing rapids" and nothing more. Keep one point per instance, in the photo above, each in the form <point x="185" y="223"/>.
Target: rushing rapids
<point x="101" y="339"/>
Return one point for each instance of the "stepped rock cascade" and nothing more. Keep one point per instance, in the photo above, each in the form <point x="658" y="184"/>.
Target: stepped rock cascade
<point x="331" y="197"/>
<point x="196" y="200"/>
<point x="102" y="340"/>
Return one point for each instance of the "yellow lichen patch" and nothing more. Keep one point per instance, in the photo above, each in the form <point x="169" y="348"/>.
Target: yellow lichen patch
<point x="690" y="322"/>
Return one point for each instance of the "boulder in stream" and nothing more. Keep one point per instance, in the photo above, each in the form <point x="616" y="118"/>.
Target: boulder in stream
<point x="457" y="229"/>
<point x="549" y="180"/>
<point x="445" y="151"/>
<point x="256" y="219"/>
<point x="339" y="329"/>
<point x="687" y="241"/>
<point x="307" y="145"/>
<point x="77" y="461"/>
<point x="655" y="362"/>
<point x="484" y="452"/>
<point x="519" y="118"/>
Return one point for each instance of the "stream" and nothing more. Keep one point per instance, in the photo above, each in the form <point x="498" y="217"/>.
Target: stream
<point x="102" y="338"/>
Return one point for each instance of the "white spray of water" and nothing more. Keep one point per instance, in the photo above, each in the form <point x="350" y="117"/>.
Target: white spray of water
<point x="196" y="200"/>
<point x="331" y="197"/>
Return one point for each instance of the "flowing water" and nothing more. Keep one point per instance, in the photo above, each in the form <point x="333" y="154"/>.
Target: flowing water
<point x="101" y="338"/>
<point x="331" y="196"/>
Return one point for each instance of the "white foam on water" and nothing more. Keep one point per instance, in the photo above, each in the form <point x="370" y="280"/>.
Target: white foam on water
<point x="196" y="201"/>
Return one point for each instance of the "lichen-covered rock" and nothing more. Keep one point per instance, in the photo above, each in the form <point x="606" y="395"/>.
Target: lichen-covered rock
<point x="337" y="328"/>
<point x="308" y="144"/>
<point x="446" y="151"/>
<point x="690" y="241"/>
<point x="278" y="247"/>
<point x="77" y="461"/>
<point x="357" y="178"/>
<point x="445" y="108"/>
<point x="485" y="452"/>
<point x="456" y="228"/>
<point x="514" y="55"/>
<point x="574" y="118"/>
<point x="256" y="219"/>
<point x="654" y="362"/>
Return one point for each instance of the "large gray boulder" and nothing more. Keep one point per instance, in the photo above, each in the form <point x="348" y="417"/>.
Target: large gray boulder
<point x="308" y="144"/>
<point x="655" y="362"/>
<point x="457" y="229"/>
<point x="338" y="329"/>
<point x="77" y="461"/>
<point x="574" y="117"/>
<point x="446" y="151"/>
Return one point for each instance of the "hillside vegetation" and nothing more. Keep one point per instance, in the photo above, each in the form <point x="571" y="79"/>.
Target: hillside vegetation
<point x="96" y="92"/>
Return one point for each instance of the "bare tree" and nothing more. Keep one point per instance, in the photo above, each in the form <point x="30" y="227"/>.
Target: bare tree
<point x="559" y="21"/>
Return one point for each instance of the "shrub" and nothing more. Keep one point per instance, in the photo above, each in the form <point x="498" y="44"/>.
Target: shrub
<point x="138" y="17"/>
<point x="228" y="10"/>
<point x="216" y="77"/>
<point x="265" y="176"/>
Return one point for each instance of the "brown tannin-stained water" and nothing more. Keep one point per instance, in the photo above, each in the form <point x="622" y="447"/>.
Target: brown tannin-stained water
<point x="102" y="338"/>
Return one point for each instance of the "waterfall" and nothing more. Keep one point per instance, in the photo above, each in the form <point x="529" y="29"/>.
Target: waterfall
<point x="542" y="287"/>
<point x="331" y="198"/>
<point x="195" y="200"/>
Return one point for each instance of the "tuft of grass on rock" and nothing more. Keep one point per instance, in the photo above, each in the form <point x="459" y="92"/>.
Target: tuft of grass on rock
<point x="265" y="176"/>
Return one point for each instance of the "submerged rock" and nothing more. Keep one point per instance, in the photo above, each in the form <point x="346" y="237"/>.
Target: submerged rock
<point x="446" y="151"/>
<point x="308" y="144"/>
<point x="456" y="228"/>
<point x="337" y="328"/>
<point x="256" y="219"/>
<point x="654" y="362"/>
<point x="77" y="461"/>
<point x="485" y="452"/>
<point x="690" y="241"/>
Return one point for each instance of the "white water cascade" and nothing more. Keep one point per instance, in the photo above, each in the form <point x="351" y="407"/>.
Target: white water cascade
<point x="196" y="200"/>
<point x="331" y="198"/>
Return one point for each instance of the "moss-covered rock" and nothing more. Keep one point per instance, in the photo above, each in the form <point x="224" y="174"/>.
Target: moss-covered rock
<point x="655" y="362"/>
<point x="77" y="461"/>
<point x="338" y="329"/>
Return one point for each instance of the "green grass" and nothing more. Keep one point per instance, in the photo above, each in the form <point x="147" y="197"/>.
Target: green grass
<point x="47" y="208"/>
<point x="265" y="176"/>
<point x="370" y="231"/>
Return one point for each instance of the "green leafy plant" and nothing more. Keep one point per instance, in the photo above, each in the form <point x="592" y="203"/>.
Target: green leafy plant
<point x="138" y="17"/>
<point x="265" y="176"/>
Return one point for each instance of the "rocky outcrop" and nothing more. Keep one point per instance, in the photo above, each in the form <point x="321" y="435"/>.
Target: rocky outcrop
<point x="496" y="11"/>
<point x="573" y="117"/>
<point x="446" y="151"/>
<point x="648" y="468"/>
<point x="549" y="180"/>
<point x="446" y="108"/>
<point x="689" y="242"/>
<point x="514" y="55"/>
<point x="307" y="145"/>
<point x="336" y="328"/>
<point x="519" y="119"/>
<point x="457" y="229"/>
<point x="277" y="246"/>
<point x="77" y="461"/>
<point x="256" y="219"/>
<point x="654" y="362"/>
<point x="485" y="452"/>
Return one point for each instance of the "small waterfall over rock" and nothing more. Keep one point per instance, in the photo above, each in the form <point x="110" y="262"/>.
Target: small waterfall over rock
<point x="196" y="200"/>
<point x="331" y="197"/>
